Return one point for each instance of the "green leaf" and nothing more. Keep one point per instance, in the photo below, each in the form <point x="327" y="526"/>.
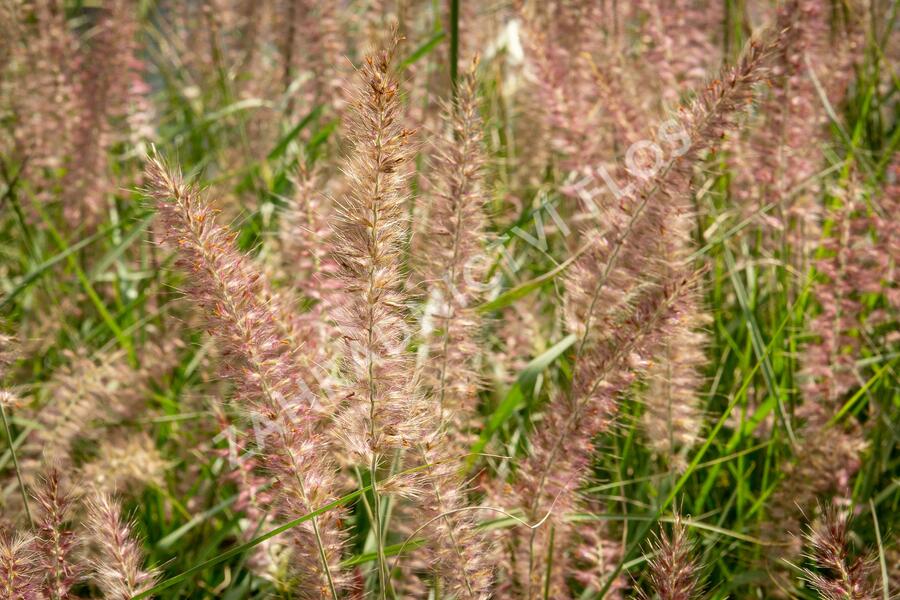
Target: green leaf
<point x="849" y="404"/>
<point x="237" y="550"/>
<point x="523" y="289"/>
<point x="516" y="395"/>
<point x="110" y="257"/>
<point x="236" y="107"/>
<point x="116" y="329"/>
<point x="49" y="263"/>
<point x="283" y="143"/>
<point x="391" y="550"/>
<point x="176" y="535"/>
<point x="422" y="50"/>
<point x="759" y="346"/>
<point x="321" y="136"/>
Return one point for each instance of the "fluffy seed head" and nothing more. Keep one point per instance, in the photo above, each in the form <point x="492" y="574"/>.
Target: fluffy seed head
<point x="674" y="571"/>
<point x="117" y="567"/>
<point x="19" y="567"/>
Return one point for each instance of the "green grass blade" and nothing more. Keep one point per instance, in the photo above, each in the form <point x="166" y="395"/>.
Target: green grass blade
<point x="525" y="288"/>
<point x="112" y="255"/>
<point x="183" y="576"/>
<point x="285" y="141"/>
<point x="422" y="50"/>
<point x="758" y="345"/>
<point x="48" y="264"/>
<point x="516" y="394"/>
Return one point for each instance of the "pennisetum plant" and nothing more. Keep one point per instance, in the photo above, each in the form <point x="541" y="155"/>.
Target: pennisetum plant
<point x="352" y="357"/>
<point x="453" y="267"/>
<point x="457" y="551"/>
<point x="625" y="296"/>
<point x="384" y="412"/>
<point x="849" y="273"/>
<point x="269" y="381"/>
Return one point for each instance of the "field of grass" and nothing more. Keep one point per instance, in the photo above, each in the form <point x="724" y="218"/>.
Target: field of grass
<point x="449" y="299"/>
